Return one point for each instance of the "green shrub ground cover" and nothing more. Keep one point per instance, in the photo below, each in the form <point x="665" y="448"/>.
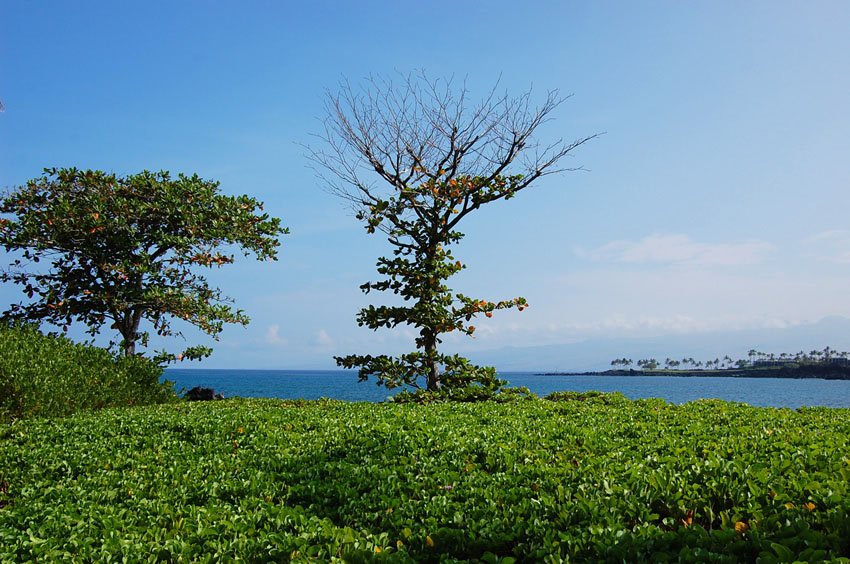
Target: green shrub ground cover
<point x="533" y="480"/>
<point x="44" y="375"/>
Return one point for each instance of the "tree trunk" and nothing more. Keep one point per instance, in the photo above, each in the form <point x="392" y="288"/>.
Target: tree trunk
<point x="129" y="329"/>
<point x="433" y="376"/>
<point x="429" y="334"/>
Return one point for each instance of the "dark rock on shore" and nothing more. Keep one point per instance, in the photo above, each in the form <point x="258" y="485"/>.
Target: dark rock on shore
<point x="202" y="394"/>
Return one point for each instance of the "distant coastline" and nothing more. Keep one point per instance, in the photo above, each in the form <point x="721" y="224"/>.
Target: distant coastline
<point x="823" y="372"/>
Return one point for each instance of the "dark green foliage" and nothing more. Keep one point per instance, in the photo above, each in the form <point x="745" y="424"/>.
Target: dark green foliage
<point x="43" y="375"/>
<point x="470" y="392"/>
<point x="116" y="251"/>
<point x="607" y="398"/>
<point x="265" y="480"/>
<point x="418" y="273"/>
<point x="407" y="369"/>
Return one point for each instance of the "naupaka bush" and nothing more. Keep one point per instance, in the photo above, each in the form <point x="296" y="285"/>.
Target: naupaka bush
<point x="44" y="375"/>
<point x="582" y="478"/>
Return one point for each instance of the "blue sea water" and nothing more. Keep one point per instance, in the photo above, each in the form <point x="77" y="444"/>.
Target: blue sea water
<point x="343" y="385"/>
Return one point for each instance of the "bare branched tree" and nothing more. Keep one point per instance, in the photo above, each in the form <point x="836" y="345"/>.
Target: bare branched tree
<point x="406" y="133"/>
<point x="414" y="157"/>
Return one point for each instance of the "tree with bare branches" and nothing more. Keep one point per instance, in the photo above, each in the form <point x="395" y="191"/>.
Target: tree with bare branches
<point x="414" y="157"/>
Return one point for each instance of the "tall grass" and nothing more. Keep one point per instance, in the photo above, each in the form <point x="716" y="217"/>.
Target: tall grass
<point x="45" y="375"/>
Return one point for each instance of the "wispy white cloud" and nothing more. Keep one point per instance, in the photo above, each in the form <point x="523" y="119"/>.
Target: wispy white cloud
<point x="610" y="301"/>
<point x="831" y="246"/>
<point x="678" y="249"/>
<point x="616" y="325"/>
<point x="273" y="336"/>
<point x="322" y="339"/>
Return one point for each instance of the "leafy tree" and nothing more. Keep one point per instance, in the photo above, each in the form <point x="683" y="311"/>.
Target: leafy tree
<point x="414" y="159"/>
<point x="120" y="250"/>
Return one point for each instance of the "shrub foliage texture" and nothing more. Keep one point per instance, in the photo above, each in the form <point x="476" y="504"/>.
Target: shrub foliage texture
<point x="584" y="478"/>
<point x="43" y="375"/>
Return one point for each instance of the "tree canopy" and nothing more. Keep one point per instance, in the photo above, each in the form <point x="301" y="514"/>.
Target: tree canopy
<point x="414" y="158"/>
<point x="98" y="248"/>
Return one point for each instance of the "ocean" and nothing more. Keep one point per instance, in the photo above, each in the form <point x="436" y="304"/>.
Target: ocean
<point x="343" y="385"/>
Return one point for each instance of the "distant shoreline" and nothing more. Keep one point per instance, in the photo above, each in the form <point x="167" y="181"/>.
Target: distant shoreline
<point x="795" y="372"/>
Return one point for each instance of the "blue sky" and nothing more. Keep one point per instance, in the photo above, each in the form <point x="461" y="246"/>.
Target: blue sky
<point x="717" y="199"/>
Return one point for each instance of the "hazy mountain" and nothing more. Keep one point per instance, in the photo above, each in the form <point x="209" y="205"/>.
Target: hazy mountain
<point x="597" y="353"/>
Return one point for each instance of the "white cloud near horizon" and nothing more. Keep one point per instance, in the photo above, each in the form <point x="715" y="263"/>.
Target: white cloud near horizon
<point x="322" y="339"/>
<point x="273" y="336"/>
<point x="831" y="246"/>
<point x="614" y="326"/>
<point x="659" y="248"/>
<point x="612" y="301"/>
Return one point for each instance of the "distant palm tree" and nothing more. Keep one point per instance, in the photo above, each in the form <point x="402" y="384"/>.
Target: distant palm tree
<point x="648" y="364"/>
<point x="621" y="362"/>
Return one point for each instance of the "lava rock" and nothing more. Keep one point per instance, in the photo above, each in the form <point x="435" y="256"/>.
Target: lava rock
<point x="202" y="394"/>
